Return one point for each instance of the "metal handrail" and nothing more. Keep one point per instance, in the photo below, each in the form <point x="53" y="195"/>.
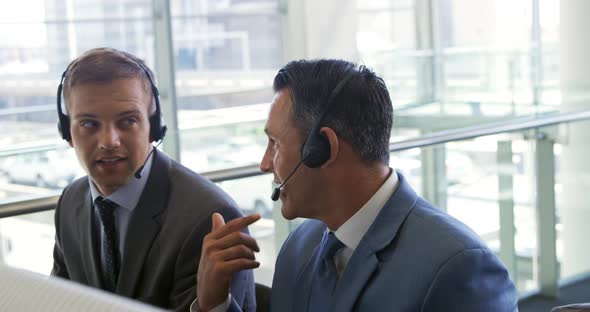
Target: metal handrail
<point x="28" y="206"/>
<point x="435" y="138"/>
<point x="512" y="125"/>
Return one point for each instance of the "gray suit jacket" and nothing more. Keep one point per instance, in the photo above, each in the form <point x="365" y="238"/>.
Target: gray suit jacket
<point x="413" y="258"/>
<point x="163" y="244"/>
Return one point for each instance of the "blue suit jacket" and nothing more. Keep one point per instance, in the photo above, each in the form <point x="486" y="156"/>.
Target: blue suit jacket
<point x="413" y="258"/>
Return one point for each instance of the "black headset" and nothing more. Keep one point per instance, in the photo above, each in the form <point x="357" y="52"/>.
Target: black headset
<point x="157" y="125"/>
<point x="315" y="151"/>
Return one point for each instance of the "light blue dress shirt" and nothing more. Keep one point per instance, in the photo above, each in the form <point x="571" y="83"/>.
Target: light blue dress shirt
<point x="126" y="199"/>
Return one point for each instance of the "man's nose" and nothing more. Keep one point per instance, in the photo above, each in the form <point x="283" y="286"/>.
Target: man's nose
<point x="109" y="138"/>
<point x="266" y="162"/>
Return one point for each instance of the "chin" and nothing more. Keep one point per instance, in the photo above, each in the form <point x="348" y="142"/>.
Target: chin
<point x="288" y="214"/>
<point x="110" y="183"/>
<point x="288" y="217"/>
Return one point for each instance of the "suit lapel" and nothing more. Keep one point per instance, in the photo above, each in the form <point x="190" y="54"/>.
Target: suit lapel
<point x="88" y="238"/>
<point x="365" y="259"/>
<point x="302" y="289"/>
<point x="144" y="225"/>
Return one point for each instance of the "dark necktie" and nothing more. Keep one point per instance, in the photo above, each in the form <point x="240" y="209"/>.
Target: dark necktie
<point x="326" y="277"/>
<point x="106" y="209"/>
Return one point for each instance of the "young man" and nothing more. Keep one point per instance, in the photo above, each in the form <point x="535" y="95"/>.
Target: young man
<point x="135" y="224"/>
<point x="371" y="243"/>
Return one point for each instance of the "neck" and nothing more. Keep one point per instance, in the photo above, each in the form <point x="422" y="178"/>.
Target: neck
<point x="105" y="190"/>
<point x="352" y="189"/>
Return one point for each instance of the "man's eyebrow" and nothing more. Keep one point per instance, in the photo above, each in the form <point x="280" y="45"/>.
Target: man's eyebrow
<point x="84" y="115"/>
<point x="129" y="112"/>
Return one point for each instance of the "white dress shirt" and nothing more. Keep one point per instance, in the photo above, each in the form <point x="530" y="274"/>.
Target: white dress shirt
<point x="352" y="231"/>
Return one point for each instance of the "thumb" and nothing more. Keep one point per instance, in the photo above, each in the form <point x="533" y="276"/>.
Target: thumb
<point x="217" y="220"/>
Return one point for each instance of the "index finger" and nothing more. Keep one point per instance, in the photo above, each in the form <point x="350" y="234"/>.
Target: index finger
<point x="235" y="225"/>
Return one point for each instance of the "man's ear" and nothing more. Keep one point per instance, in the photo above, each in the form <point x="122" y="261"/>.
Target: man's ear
<point x="332" y="138"/>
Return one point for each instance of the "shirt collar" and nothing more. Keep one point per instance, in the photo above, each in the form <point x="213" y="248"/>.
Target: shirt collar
<point x="127" y="196"/>
<point x="353" y="230"/>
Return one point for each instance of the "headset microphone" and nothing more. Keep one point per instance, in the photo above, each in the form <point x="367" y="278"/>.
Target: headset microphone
<point x="139" y="171"/>
<point x="277" y="192"/>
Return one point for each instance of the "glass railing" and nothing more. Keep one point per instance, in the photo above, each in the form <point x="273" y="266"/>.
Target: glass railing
<point x="475" y="81"/>
<point x="518" y="184"/>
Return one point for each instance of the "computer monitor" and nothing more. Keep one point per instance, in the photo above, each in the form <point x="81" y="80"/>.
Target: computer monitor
<point x="27" y="291"/>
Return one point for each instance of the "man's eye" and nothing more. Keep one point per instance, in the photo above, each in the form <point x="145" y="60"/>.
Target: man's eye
<point x="129" y="121"/>
<point x="88" y="124"/>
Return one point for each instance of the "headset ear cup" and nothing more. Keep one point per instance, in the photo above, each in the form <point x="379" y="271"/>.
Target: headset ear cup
<point x="63" y="126"/>
<point x="316" y="150"/>
<point x="154" y="128"/>
<point x="63" y="121"/>
<point x="157" y="124"/>
<point x="157" y="128"/>
<point x="163" y="130"/>
<point x="67" y="134"/>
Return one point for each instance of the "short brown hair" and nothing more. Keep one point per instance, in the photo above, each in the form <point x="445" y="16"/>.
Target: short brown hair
<point x="102" y="65"/>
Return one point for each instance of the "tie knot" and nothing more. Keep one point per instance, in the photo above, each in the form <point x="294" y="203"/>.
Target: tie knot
<point x="106" y="208"/>
<point x="101" y="202"/>
<point x="331" y="245"/>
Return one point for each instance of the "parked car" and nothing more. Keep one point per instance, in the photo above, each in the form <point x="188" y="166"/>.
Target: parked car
<point x="51" y="169"/>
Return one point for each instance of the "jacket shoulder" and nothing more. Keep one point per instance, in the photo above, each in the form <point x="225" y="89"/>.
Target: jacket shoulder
<point x="76" y="187"/>
<point x="185" y="183"/>
<point x="440" y="227"/>
<point x="192" y="199"/>
<point x="73" y="194"/>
